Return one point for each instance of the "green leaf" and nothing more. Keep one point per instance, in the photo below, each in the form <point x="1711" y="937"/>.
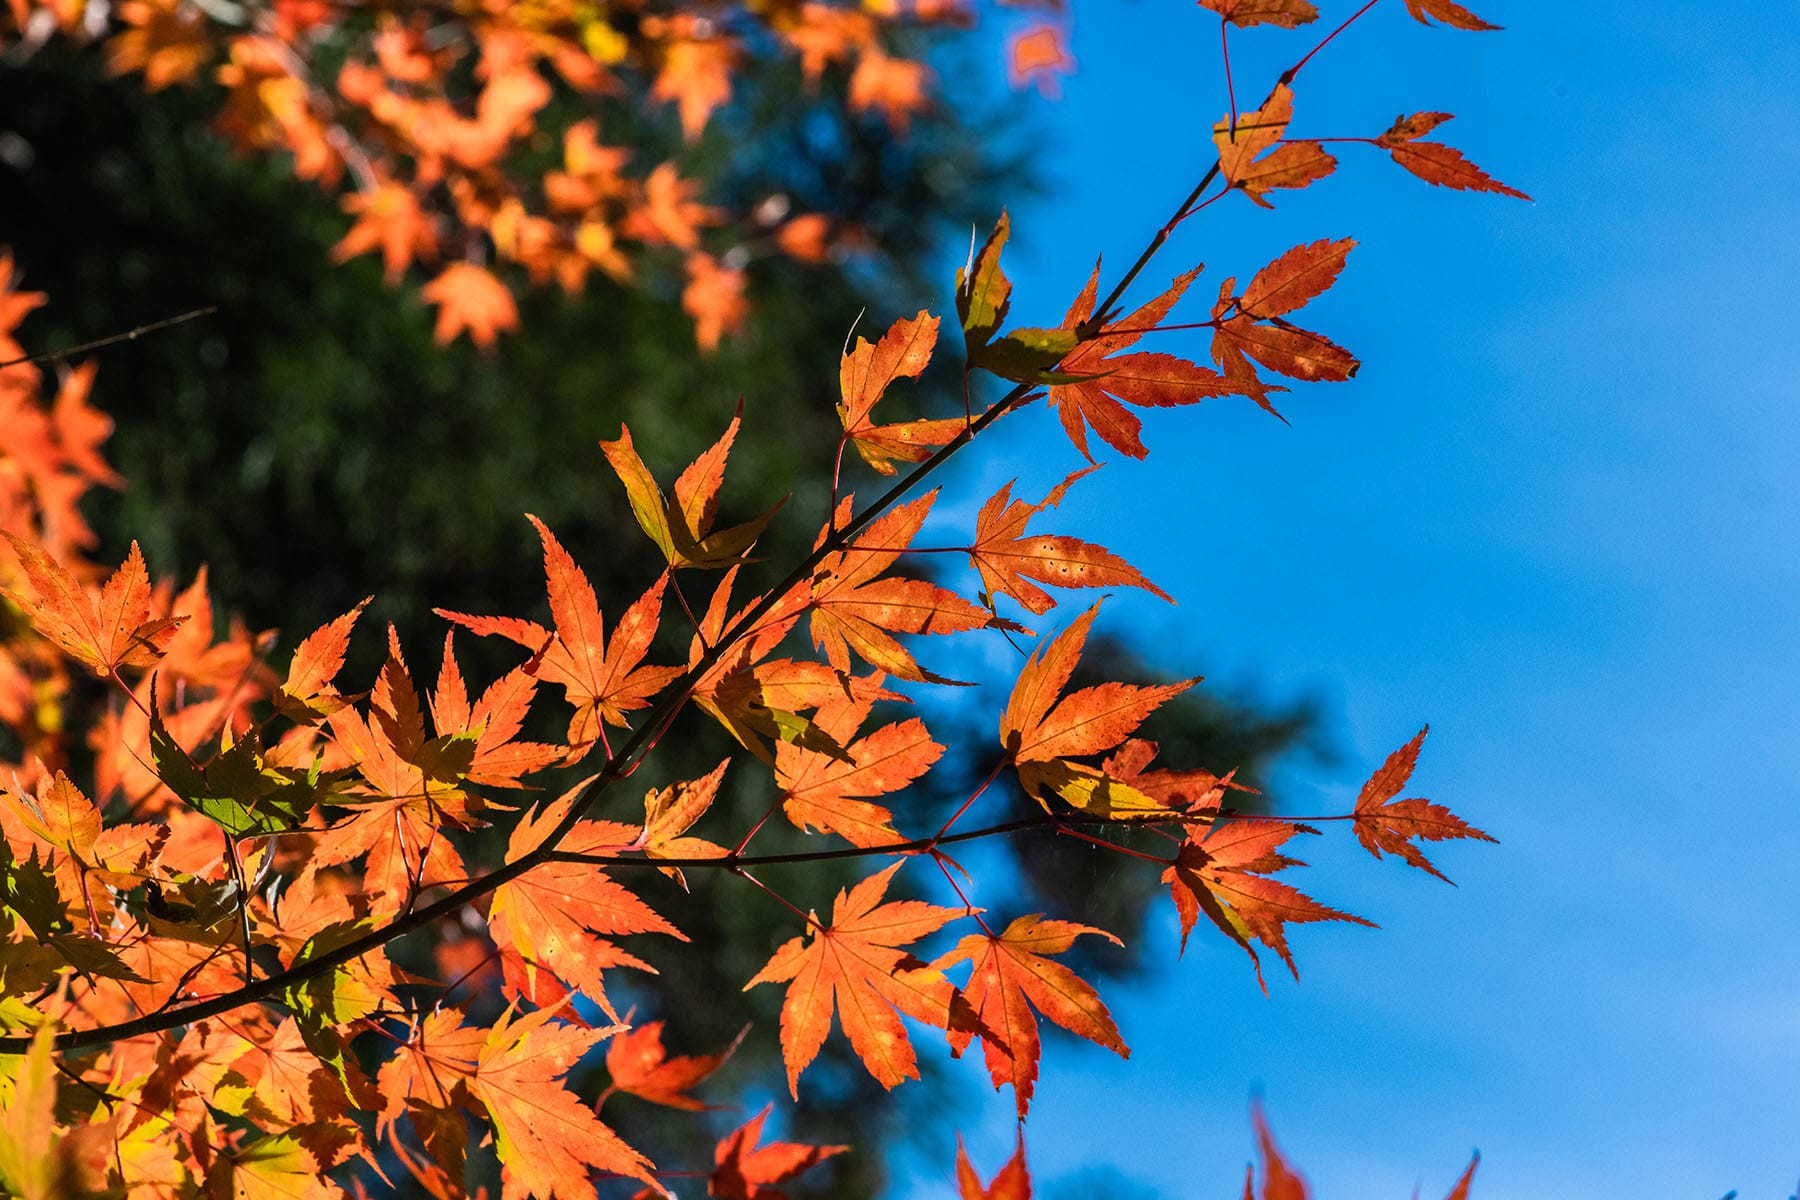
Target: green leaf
<point x="324" y="1003"/>
<point x="27" y="889"/>
<point x="238" y="790"/>
<point x="1026" y="355"/>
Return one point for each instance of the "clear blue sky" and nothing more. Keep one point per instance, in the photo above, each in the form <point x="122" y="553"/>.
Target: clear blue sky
<point x="1558" y="517"/>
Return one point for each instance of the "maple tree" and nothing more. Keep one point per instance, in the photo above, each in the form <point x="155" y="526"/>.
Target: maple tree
<point x="428" y="124"/>
<point x="201" y="993"/>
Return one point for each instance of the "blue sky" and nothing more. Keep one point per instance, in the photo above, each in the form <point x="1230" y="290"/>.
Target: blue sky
<point x="1556" y="516"/>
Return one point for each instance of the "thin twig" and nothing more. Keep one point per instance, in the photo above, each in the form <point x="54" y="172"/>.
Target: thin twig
<point x="130" y="335"/>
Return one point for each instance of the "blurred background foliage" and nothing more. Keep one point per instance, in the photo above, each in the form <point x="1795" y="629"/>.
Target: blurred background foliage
<point x="310" y="444"/>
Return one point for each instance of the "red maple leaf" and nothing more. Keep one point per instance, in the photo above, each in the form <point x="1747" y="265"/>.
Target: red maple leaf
<point x="1145" y="379"/>
<point x="747" y="1171"/>
<point x="1008" y="559"/>
<point x="1224" y="873"/>
<point x="1384" y="823"/>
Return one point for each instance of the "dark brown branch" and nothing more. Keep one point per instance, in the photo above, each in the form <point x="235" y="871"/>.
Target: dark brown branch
<point x="130" y="335"/>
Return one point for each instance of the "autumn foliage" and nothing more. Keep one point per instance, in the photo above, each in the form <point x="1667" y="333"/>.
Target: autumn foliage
<point x="205" y="871"/>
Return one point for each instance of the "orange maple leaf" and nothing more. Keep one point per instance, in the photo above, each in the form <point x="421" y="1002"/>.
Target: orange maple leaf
<point x="1038" y="55"/>
<point x="1041" y="728"/>
<point x="1145" y="379"/>
<point x="639" y="1065"/>
<point x="747" y="1171"/>
<point x="696" y="74"/>
<point x="1008" y="559"/>
<point x="671" y="811"/>
<point x="391" y="220"/>
<point x="1012" y="975"/>
<point x="863" y="377"/>
<point x="470" y="298"/>
<point x="168" y="41"/>
<point x="308" y="692"/>
<point x="1384" y="823"/>
<point x="855" y="966"/>
<point x="603" y="679"/>
<point x="1434" y="162"/>
<point x="831" y="790"/>
<point x="854" y="606"/>
<point x="1286" y="165"/>
<point x="682" y="527"/>
<point x="493" y="721"/>
<point x="1013" y="1182"/>
<point x="108" y="631"/>
<point x="1280" y="1181"/>
<point x="669" y="215"/>
<point x="558" y="919"/>
<point x="1224" y="874"/>
<point x="714" y="298"/>
<point x="893" y="86"/>
<point x="548" y="1141"/>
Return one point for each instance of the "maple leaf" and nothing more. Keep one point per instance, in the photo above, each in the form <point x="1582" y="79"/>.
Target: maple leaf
<point x="1286" y="165"/>
<point x="1144" y="379"/>
<point x="696" y="74"/>
<point x="855" y="966"/>
<point x="1041" y="727"/>
<point x="1384" y="823"/>
<point x="1288" y="14"/>
<point x="1225" y="875"/>
<point x="1008" y="559"/>
<point x="412" y="789"/>
<point x="1037" y="55"/>
<point x="275" y="1167"/>
<point x="746" y="1171"/>
<point x="863" y="377"/>
<point x="1013" y="1182"/>
<point x="106" y="632"/>
<point x="714" y="298"/>
<point x="1450" y="13"/>
<point x="559" y="918"/>
<point x="39" y="1159"/>
<point x="603" y="679"/>
<point x="308" y="693"/>
<point x="1435" y="162"/>
<point x="682" y="527"/>
<point x="548" y="1141"/>
<point x="493" y="721"/>
<point x="470" y="298"/>
<point x="167" y="41"/>
<point x="80" y="428"/>
<point x="1198" y="793"/>
<point x="670" y="811"/>
<point x="893" y="86"/>
<point x="639" y="1065"/>
<point x="391" y="220"/>
<point x="63" y="819"/>
<point x="854" y="606"/>
<point x="831" y="790"/>
<point x="1258" y="328"/>
<point x="983" y="292"/>
<point x="669" y="214"/>
<point x="1011" y="976"/>
<point x="1280" y="1181"/>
